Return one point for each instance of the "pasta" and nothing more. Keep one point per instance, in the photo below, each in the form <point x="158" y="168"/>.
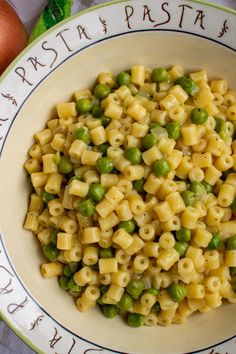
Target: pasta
<point x="134" y="195"/>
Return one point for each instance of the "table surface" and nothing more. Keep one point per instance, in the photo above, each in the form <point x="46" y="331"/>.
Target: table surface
<point x="29" y="11"/>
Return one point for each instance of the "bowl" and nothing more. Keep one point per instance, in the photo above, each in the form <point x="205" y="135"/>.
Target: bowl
<point x="112" y="36"/>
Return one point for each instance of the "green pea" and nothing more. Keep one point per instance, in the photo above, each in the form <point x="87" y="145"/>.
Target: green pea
<point x="232" y="271"/>
<point x="100" y="300"/>
<point x="96" y="192"/>
<point x="223" y="135"/>
<point x="102" y="91"/>
<point x="110" y="311"/>
<point x="135" y="320"/>
<point x="173" y="129"/>
<point x="123" y="78"/>
<point x="87" y="208"/>
<point x="65" y="166"/>
<point x="106" y="252"/>
<point x="103" y="289"/>
<point x="156" y="307"/>
<point x="125" y="302"/>
<point x="84" y="105"/>
<point x="83" y="134"/>
<point x="63" y="282"/>
<point x="161" y="167"/>
<point x="73" y="286"/>
<point x="103" y="148"/>
<point x="135" y="288"/>
<point x="104" y="165"/>
<point x="128" y="226"/>
<point x="198" y="115"/>
<point x="138" y="185"/>
<point x="159" y="75"/>
<point x="153" y="291"/>
<point x="207" y="186"/>
<point x="154" y="125"/>
<point x="67" y="271"/>
<point x="187" y="84"/>
<point x="177" y="292"/>
<point x="50" y="252"/>
<point x="181" y="247"/>
<point x="183" y="235"/>
<point x="148" y="141"/>
<point x="48" y="196"/>
<point x="105" y="120"/>
<point x="96" y="111"/>
<point x="231" y="243"/>
<point x="189" y="198"/>
<point x="53" y="237"/>
<point x="215" y="243"/>
<point x="134" y="155"/>
<point x="220" y="124"/>
<point x="233" y="206"/>
<point x="198" y="189"/>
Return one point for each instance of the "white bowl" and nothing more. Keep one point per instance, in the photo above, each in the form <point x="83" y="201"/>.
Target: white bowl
<point x="112" y="37"/>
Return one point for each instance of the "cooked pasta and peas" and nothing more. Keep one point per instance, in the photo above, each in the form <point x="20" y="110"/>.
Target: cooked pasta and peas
<point x="133" y="199"/>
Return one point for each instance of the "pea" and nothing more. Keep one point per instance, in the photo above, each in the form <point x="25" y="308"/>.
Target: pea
<point x="231" y="243"/>
<point x="181" y="247"/>
<point x="48" y="196"/>
<point x="73" y="286"/>
<point x="161" y="167"/>
<point x="53" y="237"/>
<point x="100" y="300"/>
<point x="106" y="252"/>
<point x="183" y="234"/>
<point x="102" y="91"/>
<point x="177" y="292"/>
<point x="84" y="105"/>
<point x="159" y="75"/>
<point x="105" y="120"/>
<point x="83" y="134"/>
<point x="156" y="307"/>
<point x="104" y="165"/>
<point x="50" y="252"/>
<point x="96" y="192"/>
<point x="187" y="84"/>
<point x="128" y="226"/>
<point x="173" y="129"/>
<point x="223" y="135"/>
<point x="207" y="186"/>
<point x="153" y="291"/>
<point x="110" y="311"/>
<point x="103" y="148"/>
<point x="198" y="189"/>
<point x="103" y="289"/>
<point x="135" y="288"/>
<point x="125" y="302"/>
<point x="135" y="320"/>
<point x="220" y="124"/>
<point x="198" y="115"/>
<point x="215" y="243"/>
<point x="63" y="282"/>
<point x="233" y="206"/>
<point x="138" y="185"/>
<point x="123" y="78"/>
<point x="188" y="197"/>
<point x="148" y="141"/>
<point x="65" y="166"/>
<point x="67" y="271"/>
<point x="154" y="125"/>
<point x="96" y="111"/>
<point x="134" y="155"/>
<point x="87" y="208"/>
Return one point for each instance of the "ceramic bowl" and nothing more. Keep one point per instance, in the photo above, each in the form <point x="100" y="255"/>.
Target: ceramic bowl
<point x="111" y="36"/>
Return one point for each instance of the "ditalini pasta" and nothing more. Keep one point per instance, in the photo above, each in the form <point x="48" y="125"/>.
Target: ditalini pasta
<point x="133" y="199"/>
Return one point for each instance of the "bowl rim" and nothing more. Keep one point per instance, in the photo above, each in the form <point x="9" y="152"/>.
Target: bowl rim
<point x="4" y="76"/>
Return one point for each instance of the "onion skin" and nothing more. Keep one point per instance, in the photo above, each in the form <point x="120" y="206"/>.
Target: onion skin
<point x="13" y="38"/>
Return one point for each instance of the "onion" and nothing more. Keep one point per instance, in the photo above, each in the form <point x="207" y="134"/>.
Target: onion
<point x="12" y="35"/>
